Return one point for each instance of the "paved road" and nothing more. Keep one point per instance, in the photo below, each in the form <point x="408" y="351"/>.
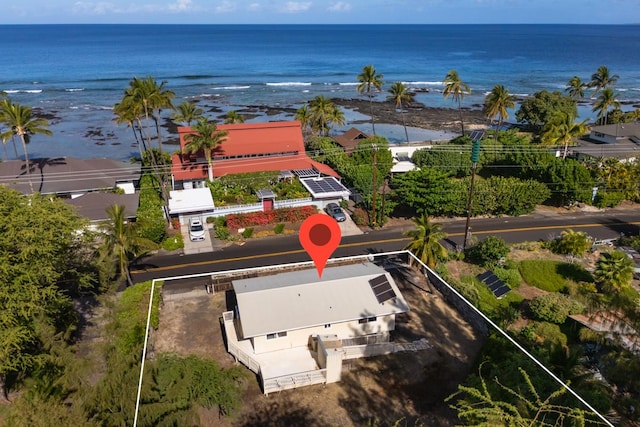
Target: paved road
<point x="286" y="249"/>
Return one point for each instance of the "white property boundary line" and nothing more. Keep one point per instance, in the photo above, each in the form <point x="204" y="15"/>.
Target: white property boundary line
<point x="335" y="260"/>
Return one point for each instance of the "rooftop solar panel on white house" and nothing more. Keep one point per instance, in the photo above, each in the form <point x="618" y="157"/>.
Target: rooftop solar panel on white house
<point x="325" y="186"/>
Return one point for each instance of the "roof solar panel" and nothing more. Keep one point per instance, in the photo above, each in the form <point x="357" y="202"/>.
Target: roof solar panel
<point x="305" y="173"/>
<point x="324" y="185"/>
<point x="382" y="288"/>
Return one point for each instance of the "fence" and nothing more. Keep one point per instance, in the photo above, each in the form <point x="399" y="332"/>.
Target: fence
<point x="292" y="203"/>
<point x="232" y="344"/>
<point x="300" y="379"/>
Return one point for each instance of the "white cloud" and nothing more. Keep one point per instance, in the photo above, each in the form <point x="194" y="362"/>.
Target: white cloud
<point x="181" y="6"/>
<point x="94" y="8"/>
<point x="226" y="7"/>
<point x="295" y="7"/>
<point x="254" y="7"/>
<point x="339" y="7"/>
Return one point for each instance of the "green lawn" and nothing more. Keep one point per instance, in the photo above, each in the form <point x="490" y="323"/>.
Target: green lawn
<point x="552" y="276"/>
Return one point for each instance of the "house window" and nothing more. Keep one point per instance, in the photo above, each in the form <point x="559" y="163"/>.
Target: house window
<point x="276" y="335"/>
<point x="327" y="325"/>
<point x="367" y="320"/>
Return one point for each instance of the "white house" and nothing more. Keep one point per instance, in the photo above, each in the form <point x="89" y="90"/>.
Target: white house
<point x="295" y="328"/>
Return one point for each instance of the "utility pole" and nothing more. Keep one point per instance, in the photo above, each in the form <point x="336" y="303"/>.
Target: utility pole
<point x="475" y="157"/>
<point x="375" y="183"/>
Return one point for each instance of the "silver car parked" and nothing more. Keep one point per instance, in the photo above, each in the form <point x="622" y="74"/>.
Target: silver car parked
<point x="335" y="212"/>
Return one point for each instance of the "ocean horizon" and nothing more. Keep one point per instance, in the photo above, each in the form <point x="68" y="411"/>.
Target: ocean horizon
<point x="74" y="73"/>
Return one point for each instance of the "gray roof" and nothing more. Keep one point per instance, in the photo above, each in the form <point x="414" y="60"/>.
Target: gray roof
<point x="94" y="205"/>
<point x="619" y="130"/>
<point x="299" y="299"/>
<point x="621" y="149"/>
<point x="63" y="175"/>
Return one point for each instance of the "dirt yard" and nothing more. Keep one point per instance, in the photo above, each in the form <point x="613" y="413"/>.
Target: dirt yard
<point x="409" y="385"/>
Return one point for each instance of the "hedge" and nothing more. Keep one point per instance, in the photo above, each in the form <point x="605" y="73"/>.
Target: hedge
<point x="255" y="219"/>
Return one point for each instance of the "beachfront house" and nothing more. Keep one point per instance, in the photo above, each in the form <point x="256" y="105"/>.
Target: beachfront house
<point x="621" y="141"/>
<point x="250" y="147"/>
<point x="296" y="325"/>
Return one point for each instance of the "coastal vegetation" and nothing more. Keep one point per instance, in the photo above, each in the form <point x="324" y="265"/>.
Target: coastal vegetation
<point x="46" y="265"/>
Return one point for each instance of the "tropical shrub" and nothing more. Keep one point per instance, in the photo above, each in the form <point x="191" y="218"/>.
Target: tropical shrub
<point x="236" y="221"/>
<point x="489" y="251"/>
<point x="554" y="307"/>
<point x="150" y="217"/>
<point x="360" y="217"/>
<point x="608" y="199"/>
<point x="173" y="242"/>
<point x="571" y="242"/>
<point x="279" y="228"/>
<point x="247" y="232"/>
<point x="510" y="276"/>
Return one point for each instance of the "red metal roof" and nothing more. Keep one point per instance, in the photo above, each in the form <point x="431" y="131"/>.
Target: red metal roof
<point x="275" y="145"/>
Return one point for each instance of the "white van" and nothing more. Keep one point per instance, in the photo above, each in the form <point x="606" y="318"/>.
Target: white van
<point x="196" y="230"/>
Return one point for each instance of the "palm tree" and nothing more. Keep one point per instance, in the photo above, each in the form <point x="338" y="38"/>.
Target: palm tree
<point x="426" y="241"/>
<point x="122" y="241"/>
<point x="21" y="122"/>
<point x="206" y="138"/>
<point x="399" y="94"/>
<point x="148" y="98"/>
<point x="321" y="110"/>
<point x="233" y="117"/>
<point x="369" y="80"/>
<point x="614" y="271"/>
<point x="601" y="79"/>
<point x="304" y="116"/>
<point x="143" y="101"/>
<point x="187" y="113"/>
<point x="575" y="88"/>
<point x="561" y="129"/>
<point x="496" y="104"/>
<point x="574" y="243"/>
<point x="455" y="87"/>
<point x="336" y="117"/>
<point x="607" y="99"/>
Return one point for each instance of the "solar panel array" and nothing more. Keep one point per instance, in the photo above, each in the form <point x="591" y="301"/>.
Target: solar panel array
<point x="305" y="173"/>
<point x="476" y="135"/>
<point x="382" y="288"/>
<point x="495" y="285"/>
<point x="324" y="185"/>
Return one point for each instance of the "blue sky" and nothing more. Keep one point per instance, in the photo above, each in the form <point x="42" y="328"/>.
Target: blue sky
<point x="320" y="11"/>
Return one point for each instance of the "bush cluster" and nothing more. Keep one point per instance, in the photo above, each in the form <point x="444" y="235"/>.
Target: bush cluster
<point x="489" y="251"/>
<point x="554" y="307"/>
<point x="236" y="221"/>
<point x="150" y="218"/>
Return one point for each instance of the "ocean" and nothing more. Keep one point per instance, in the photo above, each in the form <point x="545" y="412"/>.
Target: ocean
<point x="75" y="73"/>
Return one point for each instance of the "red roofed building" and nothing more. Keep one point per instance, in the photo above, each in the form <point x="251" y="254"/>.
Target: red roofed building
<point x="248" y="147"/>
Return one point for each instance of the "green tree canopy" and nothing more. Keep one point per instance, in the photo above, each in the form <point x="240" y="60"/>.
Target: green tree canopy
<point x="43" y="260"/>
<point x="537" y="110"/>
<point x="426" y="191"/>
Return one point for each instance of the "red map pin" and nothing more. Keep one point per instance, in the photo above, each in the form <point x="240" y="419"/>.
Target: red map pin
<point x="320" y="235"/>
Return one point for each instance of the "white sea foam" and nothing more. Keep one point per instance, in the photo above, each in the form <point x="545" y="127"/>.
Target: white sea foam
<point x="348" y="84"/>
<point x="424" y="83"/>
<point x="230" y="87"/>
<point x="289" y="84"/>
<point x="305" y="91"/>
<point x="74" y="90"/>
<point x="12" y="91"/>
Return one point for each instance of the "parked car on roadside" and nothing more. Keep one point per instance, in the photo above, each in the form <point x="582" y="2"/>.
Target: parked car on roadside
<point x="335" y="212"/>
<point x="196" y="230"/>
